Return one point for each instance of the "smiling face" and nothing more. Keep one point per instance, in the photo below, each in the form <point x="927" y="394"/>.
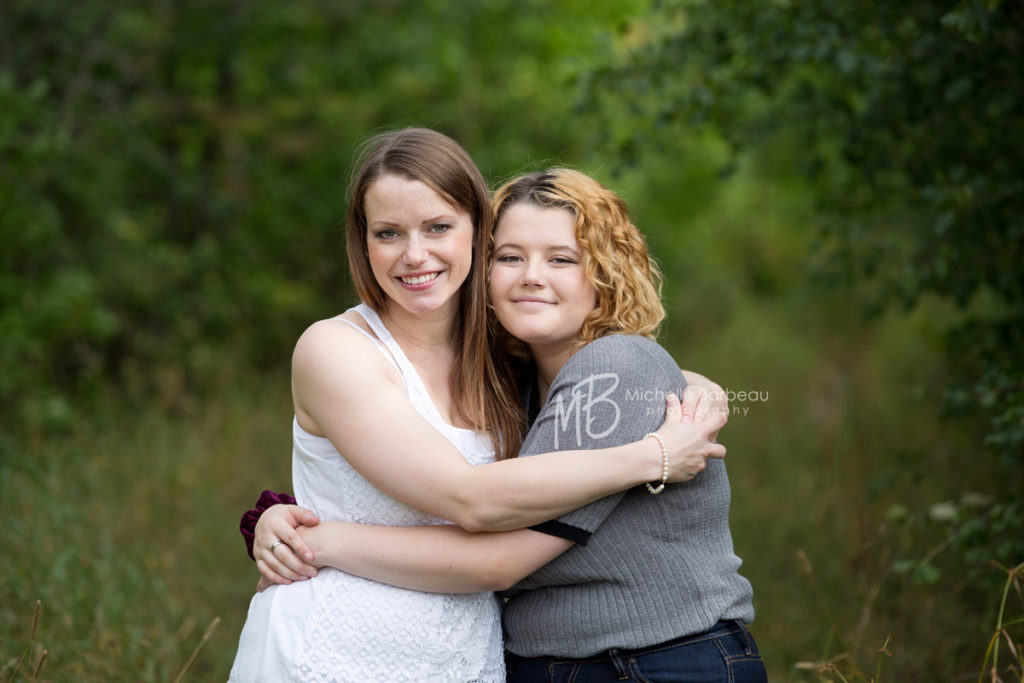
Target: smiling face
<point x="538" y="284"/>
<point x="419" y="246"/>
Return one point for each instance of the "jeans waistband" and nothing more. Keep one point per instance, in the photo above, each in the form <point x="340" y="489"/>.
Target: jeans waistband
<point x="718" y="629"/>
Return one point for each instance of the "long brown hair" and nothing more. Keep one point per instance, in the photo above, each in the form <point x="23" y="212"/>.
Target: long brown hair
<point x="484" y="396"/>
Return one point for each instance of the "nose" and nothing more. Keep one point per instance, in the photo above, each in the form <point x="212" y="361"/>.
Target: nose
<point x="533" y="275"/>
<point x="415" y="251"/>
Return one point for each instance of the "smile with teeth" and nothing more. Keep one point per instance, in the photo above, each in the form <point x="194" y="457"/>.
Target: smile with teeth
<point x="419" y="279"/>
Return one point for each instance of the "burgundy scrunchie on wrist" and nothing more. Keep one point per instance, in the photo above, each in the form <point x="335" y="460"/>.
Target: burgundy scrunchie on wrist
<point x="248" y="524"/>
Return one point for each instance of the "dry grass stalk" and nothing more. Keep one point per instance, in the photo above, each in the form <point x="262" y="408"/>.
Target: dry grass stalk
<point x="39" y="666"/>
<point x="35" y="620"/>
<point x="1013" y="577"/>
<point x="28" y="648"/>
<point x="195" y="652"/>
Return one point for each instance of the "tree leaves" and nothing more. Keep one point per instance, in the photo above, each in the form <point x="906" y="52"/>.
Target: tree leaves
<point x="907" y="109"/>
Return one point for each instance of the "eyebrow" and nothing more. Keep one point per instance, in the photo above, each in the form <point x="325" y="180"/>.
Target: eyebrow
<point x="449" y="218"/>
<point x="550" y="247"/>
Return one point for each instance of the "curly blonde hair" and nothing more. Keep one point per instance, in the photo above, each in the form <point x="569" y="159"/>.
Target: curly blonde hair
<point x="627" y="280"/>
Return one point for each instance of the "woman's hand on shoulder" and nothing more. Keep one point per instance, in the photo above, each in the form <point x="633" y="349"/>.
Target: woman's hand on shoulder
<point x="700" y="389"/>
<point x="282" y="556"/>
<point x="690" y="441"/>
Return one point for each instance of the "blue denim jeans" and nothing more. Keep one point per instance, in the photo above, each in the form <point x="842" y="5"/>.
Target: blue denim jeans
<point x="725" y="653"/>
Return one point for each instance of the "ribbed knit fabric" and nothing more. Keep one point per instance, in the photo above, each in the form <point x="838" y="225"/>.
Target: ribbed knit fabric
<point x="654" y="568"/>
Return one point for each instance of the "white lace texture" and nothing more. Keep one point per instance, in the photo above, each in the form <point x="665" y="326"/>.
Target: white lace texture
<point x="337" y="627"/>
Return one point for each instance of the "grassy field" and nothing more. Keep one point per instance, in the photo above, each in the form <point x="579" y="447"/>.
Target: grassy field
<point x="126" y="531"/>
<point x="125" y="527"/>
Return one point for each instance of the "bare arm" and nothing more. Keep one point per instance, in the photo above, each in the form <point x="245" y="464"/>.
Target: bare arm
<point x="290" y="560"/>
<point x="444" y="559"/>
<point x="437" y="559"/>
<point x="345" y="390"/>
<point x="281" y="522"/>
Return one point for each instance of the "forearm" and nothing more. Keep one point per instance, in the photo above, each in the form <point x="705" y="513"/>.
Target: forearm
<point x="436" y="559"/>
<point x="517" y="493"/>
<point x="403" y="455"/>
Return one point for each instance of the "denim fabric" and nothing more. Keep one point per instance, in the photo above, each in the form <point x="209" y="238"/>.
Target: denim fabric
<point x="726" y="653"/>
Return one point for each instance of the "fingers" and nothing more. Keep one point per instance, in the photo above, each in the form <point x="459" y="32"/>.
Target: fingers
<point x="690" y="399"/>
<point x="281" y="527"/>
<point x="673" y="410"/>
<point x="720" y="402"/>
<point x="292" y="562"/>
<point x="281" y="549"/>
<point x="276" y="520"/>
<point x="696" y="403"/>
<point x="708" y="447"/>
<point x="713" y="421"/>
<point x="690" y="445"/>
<point x="269" y="575"/>
<point x="715" y="393"/>
<point x="296" y="515"/>
<point x="719" y="399"/>
<point x="296" y="544"/>
<point x="281" y="565"/>
<point x="306" y="517"/>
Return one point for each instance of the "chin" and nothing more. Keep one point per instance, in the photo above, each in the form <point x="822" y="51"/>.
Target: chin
<point x="432" y="303"/>
<point x="526" y="335"/>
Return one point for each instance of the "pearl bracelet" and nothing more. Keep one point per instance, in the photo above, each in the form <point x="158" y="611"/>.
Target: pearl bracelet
<point x="655" y="490"/>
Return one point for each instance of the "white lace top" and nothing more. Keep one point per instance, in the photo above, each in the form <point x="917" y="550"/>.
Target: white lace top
<point x="338" y="627"/>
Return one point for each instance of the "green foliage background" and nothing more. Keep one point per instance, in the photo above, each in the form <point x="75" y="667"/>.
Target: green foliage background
<point x="833" y="191"/>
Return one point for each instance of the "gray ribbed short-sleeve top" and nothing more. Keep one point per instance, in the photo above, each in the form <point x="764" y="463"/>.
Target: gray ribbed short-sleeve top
<point x="645" y="569"/>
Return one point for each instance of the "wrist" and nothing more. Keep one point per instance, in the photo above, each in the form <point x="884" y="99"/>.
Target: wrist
<point x="651" y="461"/>
<point x="322" y="539"/>
<point x="658" y="485"/>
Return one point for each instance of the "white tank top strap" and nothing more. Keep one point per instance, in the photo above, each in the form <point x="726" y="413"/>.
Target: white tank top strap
<point x="376" y="342"/>
<point x="414" y="384"/>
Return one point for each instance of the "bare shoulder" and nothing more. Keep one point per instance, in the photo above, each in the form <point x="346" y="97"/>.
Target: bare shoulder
<point x="336" y="344"/>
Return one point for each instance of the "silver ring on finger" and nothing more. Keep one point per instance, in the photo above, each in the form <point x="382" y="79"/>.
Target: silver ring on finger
<point x="275" y="544"/>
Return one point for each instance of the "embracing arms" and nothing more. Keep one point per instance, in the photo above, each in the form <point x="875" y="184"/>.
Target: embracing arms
<point x="344" y="389"/>
<point x="435" y="559"/>
<point x="470" y="561"/>
<point x="404" y="556"/>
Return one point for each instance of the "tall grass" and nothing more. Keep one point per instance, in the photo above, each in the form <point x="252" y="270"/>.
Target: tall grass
<point x="126" y="530"/>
